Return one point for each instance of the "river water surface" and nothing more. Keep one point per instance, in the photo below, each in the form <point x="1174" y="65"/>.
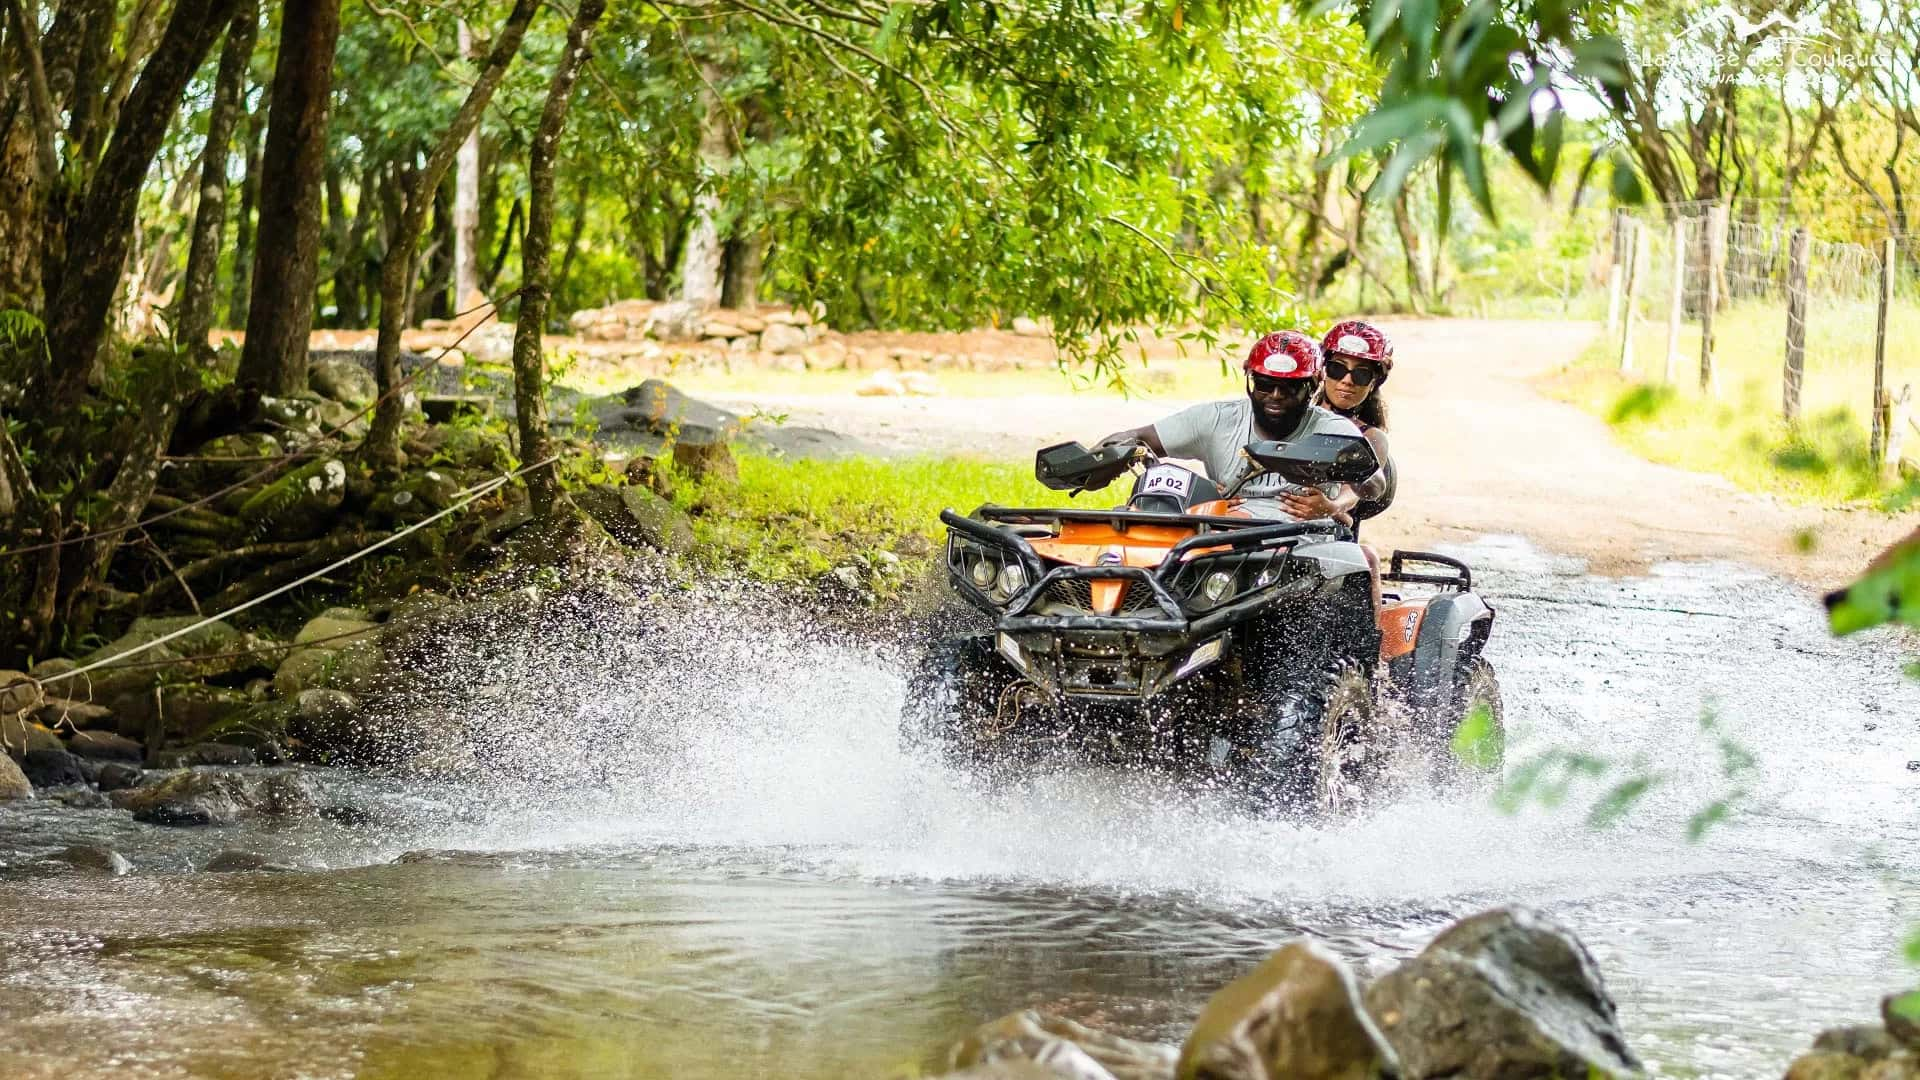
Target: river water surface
<point x="728" y="869"/>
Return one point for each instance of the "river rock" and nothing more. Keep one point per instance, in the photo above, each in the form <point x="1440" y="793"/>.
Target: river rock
<point x="73" y="715"/>
<point x="1061" y="1047"/>
<point x="344" y="381"/>
<point x="328" y="721"/>
<point x="1506" y="993"/>
<point x="299" y="504"/>
<point x="18" y="736"/>
<point x="188" y="709"/>
<point x="13" y="783"/>
<point x="94" y="859"/>
<point x="638" y="518"/>
<point x="1298" y="1016"/>
<point x="204" y="648"/>
<point x="230" y="458"/>
<point x="303" y="669"/>
<point x="659" y="407"/>
<point x="106" y="746"/>
<point x="706" y="461"/>
<point x="232" y="861"/>
<point x="217" y="797"/>
<point x="18" y="693"/>
<point x="1901" y="1014"/>
<point x="205" y="753"/>
<point x="53" y="768"/>
<point x="1865" y="1041"/>
<point x="116" y="776"/>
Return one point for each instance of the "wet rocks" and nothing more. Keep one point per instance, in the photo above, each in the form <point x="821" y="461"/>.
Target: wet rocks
<point x="73" y="715"/>
<point x="106" y="746"/>
<point x="114" y="776"/>
<point x="706" y="461"/>
<point x="1507" y="993"/>
<point x="232" y="861"/>
<point x="53" y="768"/>
<point x="1298" y="1016"/>
<point x="93" y="859"/>
<point x="343" y="380"/>
<point x="13" y="783"/>
<point x="1026" y="1041"/>
<point x="217" y="797"/>
<point x="19" y="736"/>
<point x="637" y="517"/>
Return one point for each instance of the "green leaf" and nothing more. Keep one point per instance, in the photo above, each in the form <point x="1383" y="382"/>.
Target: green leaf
<point x="1907" y="1005"/>
<point x="1478" y="743"/>
<point x="1706" y="818"/>
<point x="1912" y="948"/>
<point x="1619" y="799"/>
<point x="1380" y="16"/>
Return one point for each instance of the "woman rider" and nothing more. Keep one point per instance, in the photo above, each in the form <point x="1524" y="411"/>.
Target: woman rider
<point x="1359" y="357"/>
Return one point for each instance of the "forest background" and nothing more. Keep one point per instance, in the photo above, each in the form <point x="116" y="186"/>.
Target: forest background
<point x="167" y="168"/>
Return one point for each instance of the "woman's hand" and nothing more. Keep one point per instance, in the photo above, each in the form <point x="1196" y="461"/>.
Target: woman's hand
<point x="1309" y="505"/>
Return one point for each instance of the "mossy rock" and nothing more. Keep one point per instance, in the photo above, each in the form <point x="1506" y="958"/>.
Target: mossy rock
<point x="303" y="669"/>
<point x="199" y="654"/>
<point x="333" y="622"/>
<point x="299" y="504"/>
<point x="249" y="451"/>
<point x="187" y="709"/>
<point x="637" y="517"/>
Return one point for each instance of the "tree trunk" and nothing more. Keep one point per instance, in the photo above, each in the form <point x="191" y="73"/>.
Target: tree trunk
<point x="346" y="280"/>
<point x="396" y="272"/>
<point x="740" y="288"/>
<point x="506" y="242"/>
<point x="466" y="204"/>
<point x="1410" y="247"/>
<point x="573" y="238"/>
<point x="106" y="213"/>
<point x="280" y="312"/>
<point x="241" y="278"/>
<point x="700" y="271"/>
<point x="529" y="365"/>
<point x="437" y="261"/>
<point x="210" y="217"/>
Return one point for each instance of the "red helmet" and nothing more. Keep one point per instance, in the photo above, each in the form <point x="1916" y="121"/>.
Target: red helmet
<point x="1356" y="340"/>
<point x="1284" y="354"/>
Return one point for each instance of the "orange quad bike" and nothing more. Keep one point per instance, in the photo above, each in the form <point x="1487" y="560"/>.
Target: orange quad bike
<point x="1185" y="631"/>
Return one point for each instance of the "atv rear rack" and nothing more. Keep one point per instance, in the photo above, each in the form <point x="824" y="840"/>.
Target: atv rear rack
<point x="1461" y="579"/>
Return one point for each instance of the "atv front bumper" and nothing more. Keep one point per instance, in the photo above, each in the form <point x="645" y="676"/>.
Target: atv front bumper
<point x="1152" y="646"/>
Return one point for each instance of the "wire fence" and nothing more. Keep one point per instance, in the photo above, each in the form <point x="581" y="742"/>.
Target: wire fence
<point x="1827" y="332"/>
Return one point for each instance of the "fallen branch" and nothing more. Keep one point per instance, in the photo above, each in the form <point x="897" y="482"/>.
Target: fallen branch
<point x="275" y="576"/>
<point x="226" y="559"/>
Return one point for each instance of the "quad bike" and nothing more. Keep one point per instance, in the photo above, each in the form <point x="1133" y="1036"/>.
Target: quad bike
<point x="1183" y="631"/>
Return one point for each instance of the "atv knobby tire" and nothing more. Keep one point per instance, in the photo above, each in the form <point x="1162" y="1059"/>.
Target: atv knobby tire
<point x="953" y="700"/>
<point x="1314" y="762"/>
<point x="1338" y="771"/>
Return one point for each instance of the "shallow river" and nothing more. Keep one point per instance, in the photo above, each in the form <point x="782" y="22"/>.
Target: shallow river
<point x="729" y="870"/>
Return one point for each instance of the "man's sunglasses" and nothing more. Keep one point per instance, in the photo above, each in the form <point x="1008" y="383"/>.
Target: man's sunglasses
<point x="1268" y="386"/>
<point x="1362" y="374"/>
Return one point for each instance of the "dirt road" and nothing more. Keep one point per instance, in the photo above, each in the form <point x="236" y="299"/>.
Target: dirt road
<point x="1480" y="452"/>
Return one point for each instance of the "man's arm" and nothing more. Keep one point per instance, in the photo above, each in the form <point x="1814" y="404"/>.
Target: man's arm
<point x="1145" y="435"/>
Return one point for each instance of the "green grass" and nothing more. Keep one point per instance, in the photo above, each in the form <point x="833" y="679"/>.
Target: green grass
<point x="1735" y="429"/>
<point x="793" y="520"/>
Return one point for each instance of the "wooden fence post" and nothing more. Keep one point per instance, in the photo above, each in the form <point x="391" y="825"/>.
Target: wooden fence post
<point x="1615" y="270"/>
<point x="1636" y="269"/>
<point x="1716" y="264"/>
<point x="1796" y="367"/>
<point x="1882" y="407"/>
<point x="1676" y="303"/>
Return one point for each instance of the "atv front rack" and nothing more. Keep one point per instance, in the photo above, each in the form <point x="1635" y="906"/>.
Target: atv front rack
<point x="1235" y="535"/>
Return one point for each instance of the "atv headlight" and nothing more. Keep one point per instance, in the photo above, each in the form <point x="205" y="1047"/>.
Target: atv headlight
<point x="1012" y="579"/>
<point x="1217" y="587"/>
<point x="979" y="571"/>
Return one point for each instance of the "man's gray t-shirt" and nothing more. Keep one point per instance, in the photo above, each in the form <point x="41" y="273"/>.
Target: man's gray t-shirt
<point x="1215" y="432"/>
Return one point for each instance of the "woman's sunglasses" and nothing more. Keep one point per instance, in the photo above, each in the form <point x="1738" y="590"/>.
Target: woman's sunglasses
<point x="1362" y="374"/>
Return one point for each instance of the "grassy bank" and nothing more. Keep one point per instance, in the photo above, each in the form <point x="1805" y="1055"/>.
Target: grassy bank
<point x="793" y="520"/>
<point x="1734" y="428"/>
